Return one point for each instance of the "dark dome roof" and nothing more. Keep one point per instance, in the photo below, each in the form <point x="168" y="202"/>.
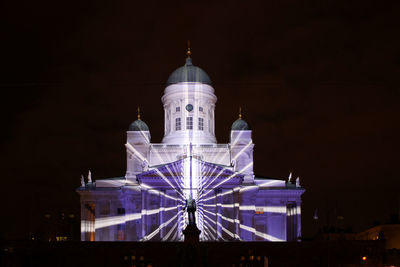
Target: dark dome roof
<point x="189" y="73"/>
<point x="138" y="125"/>
<point x="240" y="125"/>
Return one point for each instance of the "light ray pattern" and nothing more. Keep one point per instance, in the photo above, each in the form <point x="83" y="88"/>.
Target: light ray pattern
<point x="223" y="211"/>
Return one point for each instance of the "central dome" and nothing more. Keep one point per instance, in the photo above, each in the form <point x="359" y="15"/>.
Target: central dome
<point x="189" y="73"/>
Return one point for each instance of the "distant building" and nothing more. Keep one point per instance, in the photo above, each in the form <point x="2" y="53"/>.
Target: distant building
<point x="388" y="232"/>
<point x="147" y="203"/>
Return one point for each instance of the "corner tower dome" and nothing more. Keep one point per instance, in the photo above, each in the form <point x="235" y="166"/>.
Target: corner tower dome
<point x="189" y="73"/>
<point x="240" y="124"/>
<point x="138" y="125"/>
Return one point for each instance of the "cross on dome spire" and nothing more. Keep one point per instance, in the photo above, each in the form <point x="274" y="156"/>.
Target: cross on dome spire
<point x="240" y="112"/>
<point x="138" y="113"/>
<point x="188" y="52"/>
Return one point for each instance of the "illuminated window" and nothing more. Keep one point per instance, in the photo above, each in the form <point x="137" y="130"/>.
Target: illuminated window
<point x="177" y="124"/>
<point x="201" y="124"/>
<point x="201" y="109"/>
<point x="88" y="227"/>
<point x="178" y="109"/>
<point x="189" y="123"/>
<point x="259" y="210"/>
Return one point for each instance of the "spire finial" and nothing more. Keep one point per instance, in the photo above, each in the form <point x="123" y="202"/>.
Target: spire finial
<point x="138" y="113"/>
<point x="188" y="52"/>
<point x="240" y="112"/>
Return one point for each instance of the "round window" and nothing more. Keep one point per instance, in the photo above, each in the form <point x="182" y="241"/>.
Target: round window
<point x="189" y="107"/>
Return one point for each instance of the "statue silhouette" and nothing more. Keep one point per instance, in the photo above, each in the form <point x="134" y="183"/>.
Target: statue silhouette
<point x="190" y="207"/>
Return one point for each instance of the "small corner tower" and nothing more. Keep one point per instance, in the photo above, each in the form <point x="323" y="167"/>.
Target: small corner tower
<point x="137" y="148"/>
<point x="242" y="149"/>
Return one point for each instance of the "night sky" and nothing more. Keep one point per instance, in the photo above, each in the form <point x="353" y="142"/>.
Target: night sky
<point x="318" y="82"/>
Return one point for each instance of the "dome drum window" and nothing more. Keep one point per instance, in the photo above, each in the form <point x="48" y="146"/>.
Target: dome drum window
<point x="177" y="124"/>
<point x="201" y="124"/>
<point x="189" y="123"/>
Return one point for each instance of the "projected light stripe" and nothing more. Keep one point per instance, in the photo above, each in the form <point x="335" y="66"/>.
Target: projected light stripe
<point x="169" y="183"/>
<point x="225" y="180"/>
<point x="150" y="236"/>
<point x="207" y="177"/>
<point x="223" y="217"/>
<point x="212" y="213"/>
<point x="242" y="150"/>
<point x="242" y="226"/>
<point x="228" y="232"/>
<point x="272" y="209"/>
<point x="228" y="219"/>
<point x="207" y="235"/>
<point x="161" y="160"/>
<point x="155" y="211"/>
<point x="175" y="235"/>
<point x="241" y="189"/>
<point x="260" y="234"/>
<point x="211" y="181"/>
<point x="234" y="142"/>
<point x="135" y="152"/>
<point x="151" y="190"/>
<point x="210" y="236"/>
<point x="179" y="179"/>
<point x="218" y="233"/>
<point x="209" y="227"/>
<point x="210" y="220"/>
<point x="115" y="220"/>
<point x="251" y="229"/>
<point x="169" y="233"/>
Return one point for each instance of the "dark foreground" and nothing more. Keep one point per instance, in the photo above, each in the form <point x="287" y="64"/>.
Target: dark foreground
<point x="316" y="253"/>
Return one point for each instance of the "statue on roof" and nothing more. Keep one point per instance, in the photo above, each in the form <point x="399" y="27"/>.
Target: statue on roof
<point x="289" y="178"/>
<point x="82" y="181"/>
<point x="89" y="177"/>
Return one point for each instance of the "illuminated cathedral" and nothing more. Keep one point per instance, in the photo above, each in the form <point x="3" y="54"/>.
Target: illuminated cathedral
<point x="147" y="204"/>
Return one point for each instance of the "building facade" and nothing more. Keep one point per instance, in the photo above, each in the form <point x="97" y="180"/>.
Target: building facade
<point x="232" y="203"/>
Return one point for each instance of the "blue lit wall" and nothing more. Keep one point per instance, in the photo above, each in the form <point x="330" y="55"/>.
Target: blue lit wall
<point x="227" y="210"/>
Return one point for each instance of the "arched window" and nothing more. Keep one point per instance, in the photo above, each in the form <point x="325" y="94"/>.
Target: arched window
<point x="177" y="124"/>
<point x="201" y="124"/>
<point x="189" y="123"/>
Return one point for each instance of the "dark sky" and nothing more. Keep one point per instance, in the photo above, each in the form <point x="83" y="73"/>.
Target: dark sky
<point x="317" y="80"/>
